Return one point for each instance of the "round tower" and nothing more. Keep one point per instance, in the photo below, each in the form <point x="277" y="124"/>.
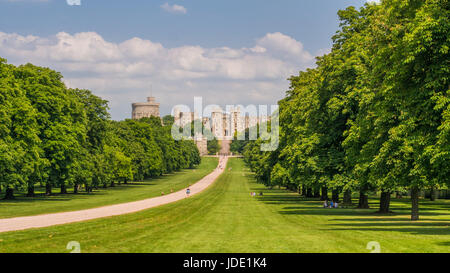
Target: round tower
<point x="146" y="109"/>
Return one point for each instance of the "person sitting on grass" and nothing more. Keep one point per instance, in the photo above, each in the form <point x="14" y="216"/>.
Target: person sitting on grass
<point x="331" y="204"/>
<point x="325" y="204"/>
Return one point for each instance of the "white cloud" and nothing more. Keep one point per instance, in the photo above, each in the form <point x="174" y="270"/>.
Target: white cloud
<point x="174" y="8"/>
<point x="123" y="72"/>
<point x="34" y="1"/>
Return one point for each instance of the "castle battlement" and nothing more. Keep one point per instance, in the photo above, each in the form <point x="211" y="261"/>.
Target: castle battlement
<point x="145" y="109"/>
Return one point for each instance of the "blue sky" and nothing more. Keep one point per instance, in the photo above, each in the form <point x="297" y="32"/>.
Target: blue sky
<point x="227" y="51"/>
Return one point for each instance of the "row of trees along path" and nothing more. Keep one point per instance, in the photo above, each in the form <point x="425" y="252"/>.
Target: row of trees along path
<point x="374" y="115"/>
<point x="54" y="136"/>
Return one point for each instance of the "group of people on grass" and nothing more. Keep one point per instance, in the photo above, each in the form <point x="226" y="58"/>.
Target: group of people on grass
<point x="331" y="204"/>
<point x="254" y="194"/>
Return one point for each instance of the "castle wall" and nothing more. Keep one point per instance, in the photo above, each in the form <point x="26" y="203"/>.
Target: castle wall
<point x="145" y="109"/>
<point x="202" y="145"/>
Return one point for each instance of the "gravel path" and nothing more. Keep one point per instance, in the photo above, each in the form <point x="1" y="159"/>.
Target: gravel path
<point x="46" y="220"/>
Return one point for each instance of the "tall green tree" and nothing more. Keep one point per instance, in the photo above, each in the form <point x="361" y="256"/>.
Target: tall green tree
<point x="19" y="141"/>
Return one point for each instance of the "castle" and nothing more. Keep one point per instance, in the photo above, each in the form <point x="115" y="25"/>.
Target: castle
<point x="145" y="109"/>
<point x="224" y="126"/>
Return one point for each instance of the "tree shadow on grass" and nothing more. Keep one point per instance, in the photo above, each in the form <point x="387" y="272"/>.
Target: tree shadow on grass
<point x="405" y="223"/>
<point x="314" y="205"/>
<point x="386" y="219"/>
<point x="325" y="211"/>
<point x="21" y="197"/>
<point x="410" y="230"/>
<point x="21" y="200"/>
<point x="309" y="210"/>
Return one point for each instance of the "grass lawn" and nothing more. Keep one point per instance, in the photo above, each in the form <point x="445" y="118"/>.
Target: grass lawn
<point x="133" y="191"/>
<point x="225" y="218"/>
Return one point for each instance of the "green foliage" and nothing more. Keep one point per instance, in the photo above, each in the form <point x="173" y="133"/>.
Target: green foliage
<point x="374" y="114"/>
<point x="213" y="146"/>
<point x="240" y="140"/>
<point x="168" y="120"/>
<point x="56" y="136"/>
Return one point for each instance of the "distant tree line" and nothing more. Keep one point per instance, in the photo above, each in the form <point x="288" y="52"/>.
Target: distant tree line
<point x="374" y="115"/>
<point x="60" y="137"/>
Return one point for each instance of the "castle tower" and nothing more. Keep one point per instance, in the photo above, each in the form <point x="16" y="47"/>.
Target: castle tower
<point x="237" y="121"/>
<point x="217" y="124"/>
<point x="145" y="109"/>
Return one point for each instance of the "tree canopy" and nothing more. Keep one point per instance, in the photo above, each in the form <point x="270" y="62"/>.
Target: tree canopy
<point x="373" y="115"/>
<point x="61" y="137"/>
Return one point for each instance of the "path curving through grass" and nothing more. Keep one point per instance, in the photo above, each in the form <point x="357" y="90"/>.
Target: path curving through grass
<point x="46" y="220"/>
<point x="133" y="191"/>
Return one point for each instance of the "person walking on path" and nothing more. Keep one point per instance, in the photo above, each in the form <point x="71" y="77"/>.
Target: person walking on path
<point x="188" y="192"/>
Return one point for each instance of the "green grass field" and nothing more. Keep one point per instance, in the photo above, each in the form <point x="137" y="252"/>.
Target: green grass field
<point x="133" y="191"/>
<point x="225" y="218"/>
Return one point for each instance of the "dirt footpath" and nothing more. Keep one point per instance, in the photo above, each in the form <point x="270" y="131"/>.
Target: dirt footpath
<point x="46" y="220"/>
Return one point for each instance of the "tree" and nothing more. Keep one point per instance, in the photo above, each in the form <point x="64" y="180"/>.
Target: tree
<point x="374" y="114"/>
<point x="213" y="146"/>
<point x="61" y="120"/>
<point x="18" y="133"/>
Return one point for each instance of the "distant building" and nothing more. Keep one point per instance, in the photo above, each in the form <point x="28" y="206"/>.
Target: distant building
<point x="206" y="123"/>
<point x="223" y="125"/>
<point x="182" y="119"/>
<point x="202" y="144"/>
<point x="145" y="109"/>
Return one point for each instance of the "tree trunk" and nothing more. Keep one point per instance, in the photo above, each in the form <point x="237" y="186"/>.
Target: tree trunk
<point x="125" y="181"/>
<point x="75" y="188"/>
<point x="415" y="204"/>
<point x="112" y="184"/>
<point x="48" y="189"/>
<point x="432" y="194"/>
<point x="9" y="194"/>
<point x="363" y="201"/>
<point x="303" y="190"/>
<point x="317" y="193"/>
<point x="63" y="189"/>
<point x="348" y="197"/>
<point x="385" y="201"/>
<point x="309" y="192"/>
<point x="324" y="195"/>
<point x="30" y="192"/>
<point x="335" y="196"/>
